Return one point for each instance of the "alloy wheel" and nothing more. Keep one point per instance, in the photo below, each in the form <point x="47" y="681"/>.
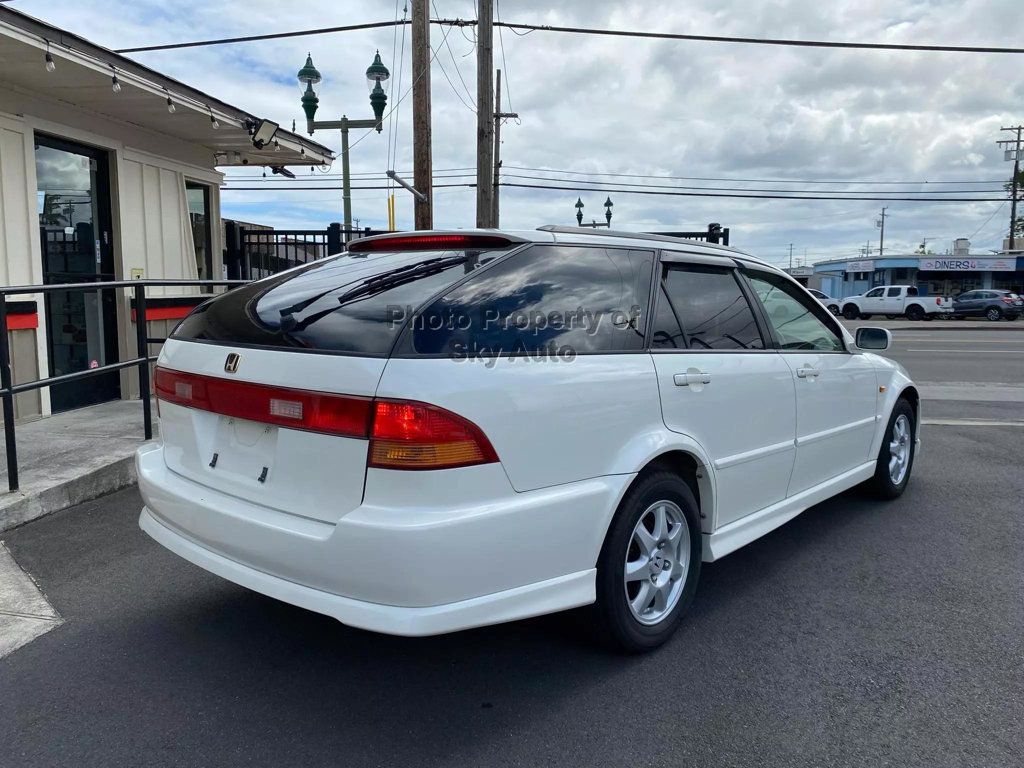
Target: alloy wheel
<point x="657" y="561"/>
<point x="899" y="449"/>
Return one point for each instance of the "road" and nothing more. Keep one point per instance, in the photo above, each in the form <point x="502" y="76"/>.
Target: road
<point x="860" y="633"/>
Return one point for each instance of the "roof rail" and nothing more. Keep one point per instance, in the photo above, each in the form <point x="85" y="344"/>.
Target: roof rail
<point x="560" y="229"/>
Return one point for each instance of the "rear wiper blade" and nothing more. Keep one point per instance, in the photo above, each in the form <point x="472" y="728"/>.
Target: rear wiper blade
<point x="401" y="276"/>
<point x="369" y="287"/>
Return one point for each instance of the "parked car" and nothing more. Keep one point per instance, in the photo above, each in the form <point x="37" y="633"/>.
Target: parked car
<point x="895" y="301"/>
<point x="993" y="304"/>
<point x="832" y="305"/>
<point x="443" y="430"/>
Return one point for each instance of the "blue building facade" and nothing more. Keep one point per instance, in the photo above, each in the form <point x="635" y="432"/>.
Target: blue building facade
<point x="932" y="274"/>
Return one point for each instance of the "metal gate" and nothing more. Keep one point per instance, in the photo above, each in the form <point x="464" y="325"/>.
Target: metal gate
<point x="251" y="253"/>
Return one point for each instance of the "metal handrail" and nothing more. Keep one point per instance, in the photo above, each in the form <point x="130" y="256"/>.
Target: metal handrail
<point x="142" y="359"/>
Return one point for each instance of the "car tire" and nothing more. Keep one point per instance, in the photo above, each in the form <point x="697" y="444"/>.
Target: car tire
<point x="850" y="312"/>
<point x="915" y="312"/>
<point x="833" y="308"/>
<point x="994" y="314"/>
<point x="627" y="627"/>
<point x="899" y="442"/>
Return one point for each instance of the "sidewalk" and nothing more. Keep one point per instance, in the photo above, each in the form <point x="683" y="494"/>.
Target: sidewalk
<point x="70" y="458"/>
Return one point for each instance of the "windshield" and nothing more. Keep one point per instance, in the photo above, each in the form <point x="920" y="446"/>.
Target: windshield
<point x="355" y="303"/>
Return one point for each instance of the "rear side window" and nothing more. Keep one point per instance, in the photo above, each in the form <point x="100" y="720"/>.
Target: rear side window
<point x="355" y="303"/>
<point x="703" y="308"/>
<point x="893" y="292"/>
<point x="547" y="299"/>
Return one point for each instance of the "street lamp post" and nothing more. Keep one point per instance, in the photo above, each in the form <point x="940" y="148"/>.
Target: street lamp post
<point x="376" y="74"/>
<point x="594" y="223"/>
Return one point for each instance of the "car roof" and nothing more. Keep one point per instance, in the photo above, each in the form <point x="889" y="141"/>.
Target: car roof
<point x="554" y="233"/>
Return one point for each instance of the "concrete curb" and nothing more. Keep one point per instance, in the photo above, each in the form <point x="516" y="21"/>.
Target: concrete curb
<point x="107" y="479"/>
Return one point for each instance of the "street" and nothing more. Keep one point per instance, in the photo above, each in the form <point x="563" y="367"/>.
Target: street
<point x="860" y="633"/>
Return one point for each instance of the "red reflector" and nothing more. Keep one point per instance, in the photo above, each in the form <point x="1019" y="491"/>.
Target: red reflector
<point x="430" y="243"/>
<point x="293" y="408"/>
<point x="410" y="435"/>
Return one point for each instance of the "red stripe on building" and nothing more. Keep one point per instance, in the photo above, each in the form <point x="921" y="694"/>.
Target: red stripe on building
<point x="22" y="322"/>
<point x="164" y="313"/>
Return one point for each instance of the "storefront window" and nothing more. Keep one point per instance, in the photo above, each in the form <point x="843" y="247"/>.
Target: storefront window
<point x="198" y="196"/>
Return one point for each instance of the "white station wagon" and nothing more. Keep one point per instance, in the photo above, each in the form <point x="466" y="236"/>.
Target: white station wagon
<point x="443" y="430"/>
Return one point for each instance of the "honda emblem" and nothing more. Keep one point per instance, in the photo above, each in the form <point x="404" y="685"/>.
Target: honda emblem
<point x="231" y="364"/>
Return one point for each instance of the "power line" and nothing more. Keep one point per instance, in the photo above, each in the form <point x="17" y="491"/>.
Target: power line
<point x="761" y="40"/>
<point x="254" y="38"/>
<point x="586" y="31"/>
<point x="305" y="189"/>
<point x="603" y="190"/>
<point x="763" y="189"/>
<point x="726" y="178"/>
<point x="452" y="54"/>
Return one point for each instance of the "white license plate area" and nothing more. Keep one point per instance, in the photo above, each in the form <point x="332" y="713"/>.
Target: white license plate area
<point x="244" y="450"/>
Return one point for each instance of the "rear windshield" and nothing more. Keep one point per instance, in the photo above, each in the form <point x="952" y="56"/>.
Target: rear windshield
<point x="354" y="303"/>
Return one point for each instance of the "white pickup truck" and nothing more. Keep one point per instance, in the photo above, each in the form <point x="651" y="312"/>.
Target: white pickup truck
<point x="895" y="301"/>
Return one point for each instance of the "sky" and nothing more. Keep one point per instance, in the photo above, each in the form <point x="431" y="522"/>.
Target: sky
<point x="626" y="106"/>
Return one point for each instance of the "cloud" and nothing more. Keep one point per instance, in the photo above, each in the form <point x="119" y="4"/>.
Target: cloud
<point x="617" y="105"/>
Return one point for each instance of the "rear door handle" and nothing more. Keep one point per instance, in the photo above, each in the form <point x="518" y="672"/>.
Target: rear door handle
<point x="807" y="372"/>
<point x="686" y="379"/>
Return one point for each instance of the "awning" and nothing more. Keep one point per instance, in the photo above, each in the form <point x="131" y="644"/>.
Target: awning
<point x="83" y="77"/>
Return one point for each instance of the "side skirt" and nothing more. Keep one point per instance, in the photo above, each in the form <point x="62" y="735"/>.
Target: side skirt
<point x="736" y="534"/>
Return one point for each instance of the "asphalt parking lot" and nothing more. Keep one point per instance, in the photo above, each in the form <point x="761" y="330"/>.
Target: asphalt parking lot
<point x="861" y="633"/>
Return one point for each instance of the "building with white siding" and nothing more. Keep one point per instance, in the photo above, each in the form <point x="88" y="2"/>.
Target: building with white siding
<point x="99" y="182"/>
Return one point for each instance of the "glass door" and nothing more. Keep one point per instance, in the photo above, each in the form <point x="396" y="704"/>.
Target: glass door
<point x="75" y="236"/>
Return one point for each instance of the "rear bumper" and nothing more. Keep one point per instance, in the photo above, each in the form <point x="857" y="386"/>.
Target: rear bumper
<point x="396" y="566"/>
<point x="548" y="596"/>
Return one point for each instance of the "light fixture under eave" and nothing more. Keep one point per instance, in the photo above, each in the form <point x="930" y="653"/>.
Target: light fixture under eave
<point x="170" y="105"/>
<point x="263" y="132"/>
<point x="213" y="122"/>
<point x="115" y="84"/>
<point x="277" y="145"/>
<point x="50" y="65"/>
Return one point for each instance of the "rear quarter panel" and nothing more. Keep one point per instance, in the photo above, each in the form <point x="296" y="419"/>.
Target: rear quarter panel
<point x="550" y="421"/>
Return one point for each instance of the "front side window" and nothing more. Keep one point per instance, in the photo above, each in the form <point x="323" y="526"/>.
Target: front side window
<point x="546" y="299"/>
<point x="794" y="319"/>
<point x="703" y="308"/>
<point x="873" y="294"/>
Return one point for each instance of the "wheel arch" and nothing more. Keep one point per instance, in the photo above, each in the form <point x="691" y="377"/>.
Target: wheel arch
<point x="694" y="471"/>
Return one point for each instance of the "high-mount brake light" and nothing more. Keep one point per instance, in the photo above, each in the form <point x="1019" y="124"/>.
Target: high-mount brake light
<point x="324" y="412"/>
<point x="430" y="242"/>
<point x="411" y="435"/>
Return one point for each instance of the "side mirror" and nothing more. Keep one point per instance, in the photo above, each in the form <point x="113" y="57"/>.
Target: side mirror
<point x="873" y="338"/>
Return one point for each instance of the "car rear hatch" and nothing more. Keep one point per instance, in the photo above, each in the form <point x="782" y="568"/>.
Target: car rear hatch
<point x="265" y="392"/>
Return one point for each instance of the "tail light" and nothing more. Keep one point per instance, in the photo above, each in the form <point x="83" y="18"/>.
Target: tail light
<point x="938" y="301"/>
<point x="1007" y="300"/>
<point x="294" y="408"/>
<point x="403" y="434"/>
<point x="409" y="435"/>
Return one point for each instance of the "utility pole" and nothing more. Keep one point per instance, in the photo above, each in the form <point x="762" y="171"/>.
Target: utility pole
<point x="422" y="162"/>
<point x="1013" y="182"/>
<point x="484" y="120"/>
<point x="881" y="237"/>
<point x="790" y="257"/>
<point x="498" y="117"/>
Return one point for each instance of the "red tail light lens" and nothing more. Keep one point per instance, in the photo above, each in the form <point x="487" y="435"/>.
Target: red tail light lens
<point x="294" y="408"/>
<point x="1007" y="300"/>
<point x="938" y="301"/>
<point x="410" y="435"/>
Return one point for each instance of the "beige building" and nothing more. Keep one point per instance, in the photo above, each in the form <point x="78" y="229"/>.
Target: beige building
<point x="108" y="171"/>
